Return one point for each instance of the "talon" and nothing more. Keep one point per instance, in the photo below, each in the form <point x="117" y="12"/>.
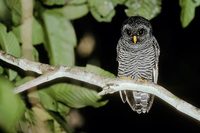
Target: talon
<point x="142" y="80"/>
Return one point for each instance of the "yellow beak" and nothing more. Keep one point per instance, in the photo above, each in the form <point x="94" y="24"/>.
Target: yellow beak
<point x="134" y="39"/>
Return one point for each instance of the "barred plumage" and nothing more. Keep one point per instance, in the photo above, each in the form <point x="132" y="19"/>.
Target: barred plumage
<point x="138" y="61"/>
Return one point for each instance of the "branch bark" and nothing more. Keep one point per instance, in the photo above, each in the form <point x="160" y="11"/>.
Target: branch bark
<point x="109" y="85"/>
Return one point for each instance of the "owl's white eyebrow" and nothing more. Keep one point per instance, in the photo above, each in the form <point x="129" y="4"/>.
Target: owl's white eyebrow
<point x="126" y="26"/>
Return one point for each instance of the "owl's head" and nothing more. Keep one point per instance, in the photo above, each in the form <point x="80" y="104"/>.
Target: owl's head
<point x="136" y="31"/>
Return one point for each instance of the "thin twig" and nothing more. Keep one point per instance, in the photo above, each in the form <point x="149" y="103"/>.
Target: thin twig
<point x="109" y="85"/>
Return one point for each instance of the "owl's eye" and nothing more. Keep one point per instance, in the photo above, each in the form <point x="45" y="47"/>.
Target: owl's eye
<point x="128" y="32"/>
<point x="140" y="32"/>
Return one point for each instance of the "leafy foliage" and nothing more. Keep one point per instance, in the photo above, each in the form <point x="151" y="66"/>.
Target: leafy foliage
<point x="53" y="2"/>
<point x="145" y="8"/>
<point x="102" y="10"/>
<point x="61" y="41"/>
<point x="37" y="32"/>
<point x="10" y="44"/>
<point x="72" y="11"/>
<point x="99" y="71"/>
<point x="15" y="10"/>
<point x="72" y="95"/>
<point x="188" y="10"/>
<point x="4" y="11"/>
<point x="52" y="27"/>
<point x="11" y="106"/>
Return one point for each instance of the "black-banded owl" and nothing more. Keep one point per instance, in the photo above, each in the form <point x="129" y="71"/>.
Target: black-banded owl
<point x="138" y="55"/>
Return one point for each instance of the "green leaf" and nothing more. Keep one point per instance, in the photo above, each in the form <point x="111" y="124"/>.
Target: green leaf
<point x="11" y="106"/>
<point x="16" y="10"/>
<point x="146" y="8"/>
<point x="59" y="124"/>
<point x="4" y="11"/>
<point x="50" y="104"/>
<point x="37" y="32"/>
<point x="99" y="71"/>
<point x="75" y="96"/>
<point x="72" y="95"/>
<point x="102" y="10"/>
<point x="188" y="11"/>
<point x="10" y="44"/>
<point x="61" y="39"/>
<point x="77" y="2"/>
<point x="1" y="70"/>
<point x="24" y="80"/>
<point x="116" y="2"/>
<point x="63" y="109"/>
<point x="35" y="54"/>
<point x="29" y="116"/>
<point x="53" y="2"/>
<point x="72" y="12"/>
<point x="47" y="101"/>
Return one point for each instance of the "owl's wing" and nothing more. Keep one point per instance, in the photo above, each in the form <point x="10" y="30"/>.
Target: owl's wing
<point x="157" y="54"/>
<point x="117" y="50"/>
<point x="122" y="93"/>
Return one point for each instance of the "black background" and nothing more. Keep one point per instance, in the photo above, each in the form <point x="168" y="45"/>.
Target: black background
<point x="178" y="72"/>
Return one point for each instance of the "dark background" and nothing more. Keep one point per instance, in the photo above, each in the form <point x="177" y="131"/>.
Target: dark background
<point x="178" y="72"/>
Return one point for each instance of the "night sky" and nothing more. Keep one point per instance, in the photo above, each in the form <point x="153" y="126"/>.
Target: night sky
<point x="179" y="71"/>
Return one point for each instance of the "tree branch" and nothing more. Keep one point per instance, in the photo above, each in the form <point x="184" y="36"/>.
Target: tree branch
<point x="109" y="85"/>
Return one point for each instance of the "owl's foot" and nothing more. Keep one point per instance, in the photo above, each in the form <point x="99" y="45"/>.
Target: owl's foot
<point x="142" y="80"/>
<point x="124" y="77"/>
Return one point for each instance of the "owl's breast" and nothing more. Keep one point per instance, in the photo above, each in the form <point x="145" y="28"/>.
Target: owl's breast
<point x="138" y="64"/>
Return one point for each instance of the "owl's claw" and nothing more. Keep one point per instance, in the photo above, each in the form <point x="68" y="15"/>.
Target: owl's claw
<point x="142" y="80"/>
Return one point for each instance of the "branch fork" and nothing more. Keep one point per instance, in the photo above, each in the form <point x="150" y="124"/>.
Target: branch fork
<point x="108" y="85"/>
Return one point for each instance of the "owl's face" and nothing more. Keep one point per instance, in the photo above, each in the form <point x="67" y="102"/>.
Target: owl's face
<point x="136" y="31"/>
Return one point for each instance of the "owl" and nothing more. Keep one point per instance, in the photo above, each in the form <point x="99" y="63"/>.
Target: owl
<point x="138" y="55"/>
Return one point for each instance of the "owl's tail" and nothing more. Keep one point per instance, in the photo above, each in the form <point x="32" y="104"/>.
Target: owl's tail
<point x="139" y="101"/>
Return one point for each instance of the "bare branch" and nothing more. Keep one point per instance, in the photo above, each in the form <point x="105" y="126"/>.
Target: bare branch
<point x="76" y="73"/>
<point x="109" y="85"/>
<point x="159" y="91"/>
<point x="25" y="64"/>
